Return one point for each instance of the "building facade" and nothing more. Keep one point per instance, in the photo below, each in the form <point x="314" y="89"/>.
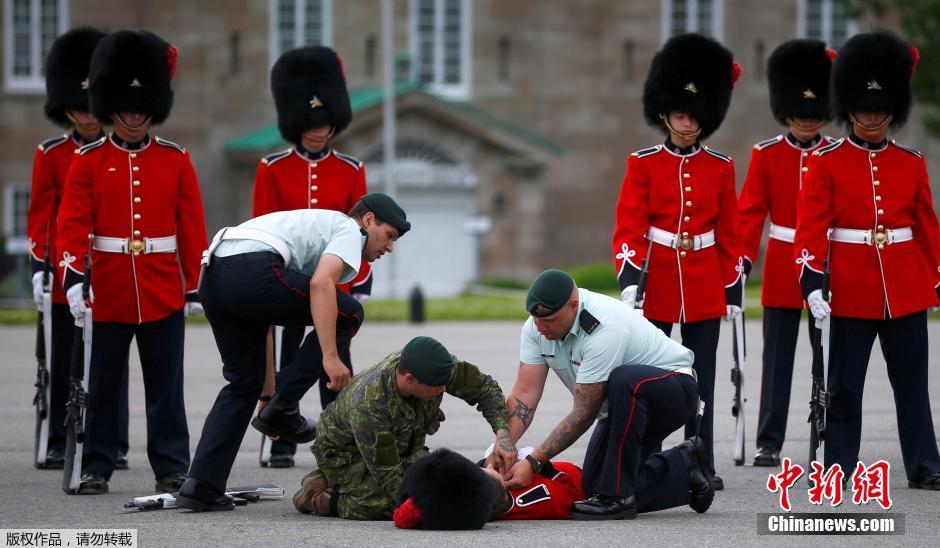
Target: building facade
<point x="515" y="119"/>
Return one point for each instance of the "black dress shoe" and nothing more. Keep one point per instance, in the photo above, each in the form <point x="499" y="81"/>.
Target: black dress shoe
<point x="283" y="460"/>
<point x="718" y="484"/>
<point x="701" y="492"/>
<point x="199" y="496"/>
<point x="93" y="483"/>
<point x="170" y="483"/>
<point x="930" y="483"/>
<point x="282" y="418"/>
<point x="55" y="460"/>
<point x="121" y="462"/>
<point x="601" y="507"/>
<point x="766" y="457"/>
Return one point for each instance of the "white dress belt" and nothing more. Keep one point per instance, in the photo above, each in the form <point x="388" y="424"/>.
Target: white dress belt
<point x="782" y="233"/>
<point x="128" y="246"/>
<point x="871" y="237"/>
<point x="240" y="233"/>
<point x="681" y="241"/>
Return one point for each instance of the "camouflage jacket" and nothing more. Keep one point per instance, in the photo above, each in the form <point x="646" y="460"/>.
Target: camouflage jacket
<point x="372" y="430"/>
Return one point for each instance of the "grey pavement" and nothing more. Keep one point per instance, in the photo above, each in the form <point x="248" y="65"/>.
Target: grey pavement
<point x="33" y="499"/>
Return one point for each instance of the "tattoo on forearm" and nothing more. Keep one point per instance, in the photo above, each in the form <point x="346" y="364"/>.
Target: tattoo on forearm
<point x="523" y="411"/>
<point x="505" y="443"/>
<point x="588" y="400"/>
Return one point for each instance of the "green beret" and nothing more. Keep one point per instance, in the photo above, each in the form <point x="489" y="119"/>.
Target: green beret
<point x="387" y="211"/>
<point x="549" y="292"/>
<point x="428" y="361"/>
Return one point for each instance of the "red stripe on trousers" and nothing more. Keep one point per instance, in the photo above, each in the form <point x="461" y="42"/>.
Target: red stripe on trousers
<point x="630" y="421"/>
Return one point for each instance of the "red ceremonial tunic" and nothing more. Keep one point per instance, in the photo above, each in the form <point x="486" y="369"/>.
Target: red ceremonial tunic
<point x="691" y="194"/>
<point x="115" y="192"/>
<point x="50" y="168"/>
<point x="774" y="177"/>
<point x="851" y="185"/>
<point x="548" y="498"/>
<point x="295" y="179"/>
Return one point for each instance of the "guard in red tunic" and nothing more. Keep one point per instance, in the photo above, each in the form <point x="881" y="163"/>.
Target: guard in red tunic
<point x="309" y="89"/>
<point x="798" y="77"/>
<point x="872" y="197"/>
<point x="678" y="201"/>
<point x="133" y="202"/>
<point x="66" y="106"/>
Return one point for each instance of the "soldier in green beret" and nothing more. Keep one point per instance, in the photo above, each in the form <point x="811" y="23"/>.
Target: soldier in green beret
<point x="377" y="427"/>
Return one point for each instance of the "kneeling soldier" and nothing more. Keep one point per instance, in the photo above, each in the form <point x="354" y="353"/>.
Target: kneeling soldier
<point x="377" y="428"/>
<point x="630" y="376"/>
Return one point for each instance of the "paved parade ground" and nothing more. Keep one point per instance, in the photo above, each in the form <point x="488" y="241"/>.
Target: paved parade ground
<point x="33" y="498"/>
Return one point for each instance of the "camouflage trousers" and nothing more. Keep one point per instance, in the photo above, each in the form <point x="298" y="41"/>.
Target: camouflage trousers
<point x="360" y="495"/>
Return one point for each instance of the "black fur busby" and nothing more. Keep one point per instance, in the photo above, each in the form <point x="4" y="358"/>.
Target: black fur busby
<point x="309" y="89"/>
<point x="798" y="75"/>
<point x="131" y="71"/>
<point x="67" y="73"/>
<point x="449" y="491"/>
<point x="693" y="74"/>
<point x="873" y="73"/>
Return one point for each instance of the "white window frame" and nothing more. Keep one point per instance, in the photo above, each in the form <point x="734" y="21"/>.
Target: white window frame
<point x="691" y="21"/>
<point x="801" y="13"/>
<point x="35" y="83"/>
<point x="437" y="86"/>
<point x="15" y="243"/>
<point x="300" y="19"/>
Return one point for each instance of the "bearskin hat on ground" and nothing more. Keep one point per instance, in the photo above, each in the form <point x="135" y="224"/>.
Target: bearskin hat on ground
<point x="692" y="74"/>
<point x="873" y="73"/>
<point x="798" y="76"/>
<point x="67" y="73"/>
<point x="309" y="89"/>
<point x="131" y="71"/>
<point x="445" y="491"/>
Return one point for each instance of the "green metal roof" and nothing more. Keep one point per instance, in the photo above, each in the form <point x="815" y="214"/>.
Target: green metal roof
<point x="269" y="138"/>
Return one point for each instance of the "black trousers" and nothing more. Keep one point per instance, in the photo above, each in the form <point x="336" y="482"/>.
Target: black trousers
<point x="702" y="339"/>
<point x="644" y="405"/>
<point x="781" y="330"/>
<point x="290" y="342"/>
<point x="62" y="326"/>
<point x="160" y="345"/>
<point x="904" y="345"/>
<point x="242" y="296"/>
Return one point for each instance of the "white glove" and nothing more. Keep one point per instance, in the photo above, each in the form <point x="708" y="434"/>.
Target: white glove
<point x="77" y="304"/>
<point x="38" y="289"/>
<point x="361" y="297"/>
<point x="818" y="306"/>
<point x="192" y="308"/>
<point x="732" y="312"/>
<point x="628" y="295"/>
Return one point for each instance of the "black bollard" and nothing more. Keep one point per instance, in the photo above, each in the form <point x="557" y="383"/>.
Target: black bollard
<point x="417" y="305"/>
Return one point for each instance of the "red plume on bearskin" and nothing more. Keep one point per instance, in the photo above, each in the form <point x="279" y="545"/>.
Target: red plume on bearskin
<point x="736" y="71"/>
<point x="172" y="56"/>
<point x="407" y="516"/>
<point x="831" y="54"/>
<point x="915" y="55"/>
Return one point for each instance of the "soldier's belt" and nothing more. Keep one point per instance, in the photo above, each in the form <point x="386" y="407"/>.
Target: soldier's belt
<point x="130" y="246"/>
<point x="242" y="233"/>
<point x="782" y="233"/>
<point x="880" y="237"/>
<point x="681" y="241"/>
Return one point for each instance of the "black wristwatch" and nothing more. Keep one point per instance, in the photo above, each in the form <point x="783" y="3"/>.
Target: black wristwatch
<point x="536" y="465"/>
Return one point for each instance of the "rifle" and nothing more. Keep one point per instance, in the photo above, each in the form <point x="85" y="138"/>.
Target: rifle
<point x="264" y="456"/>
<point x="739" y="353"/>
<point x="43" y="351"/>
<point x="644" y="274"/>
<point x="819" y="397"/>
<point x="75" y="408"/>
<point x="242" y="495"/>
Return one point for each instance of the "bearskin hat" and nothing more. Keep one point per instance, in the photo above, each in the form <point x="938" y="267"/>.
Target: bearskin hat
<point x="67" y="73"/>
<point x="131" y="71"/>
<point x="798" y="75"/>
<point x="693" y="74"/>
<point x="873" y="73"/>
<point x="445" y="491"/>
<point x="309" y="89"/>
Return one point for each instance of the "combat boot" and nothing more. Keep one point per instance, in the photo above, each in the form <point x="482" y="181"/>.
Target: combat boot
<point x="282" y="418"/>
<point x="311" y="486"/>
<point x="701" y="492"/>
